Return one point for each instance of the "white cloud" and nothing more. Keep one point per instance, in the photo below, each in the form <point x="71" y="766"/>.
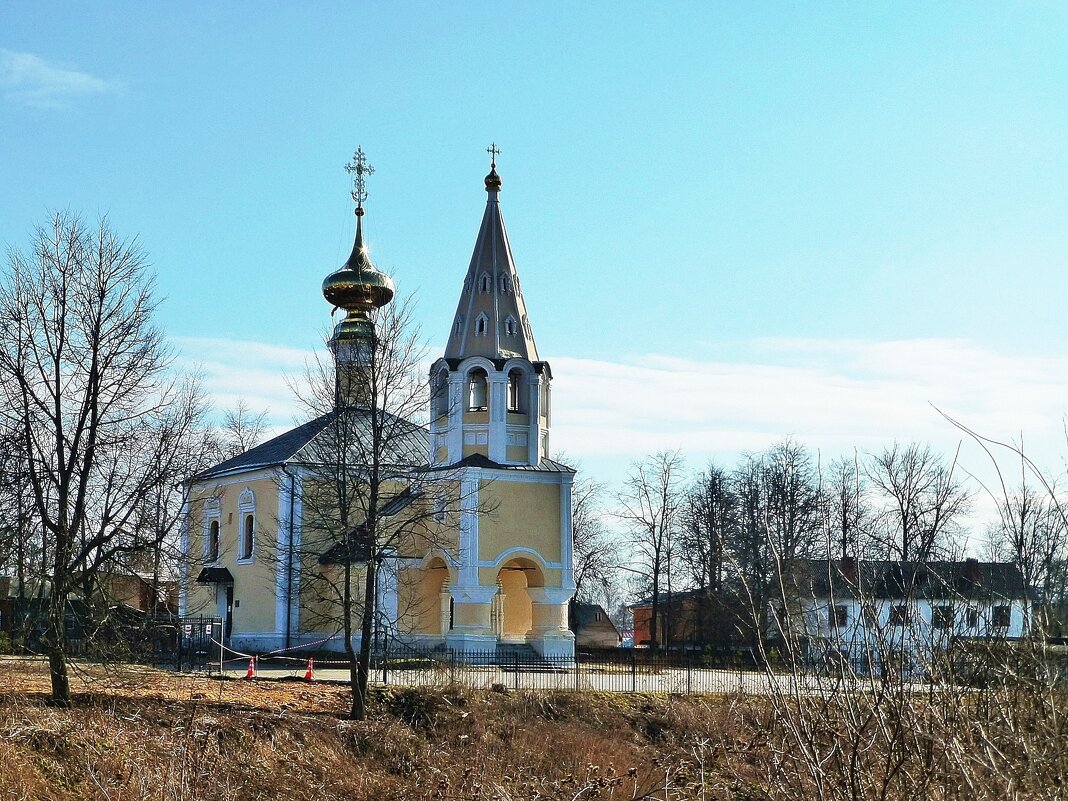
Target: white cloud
<point x="29" y="79"/>
<point x="832" y="395"/>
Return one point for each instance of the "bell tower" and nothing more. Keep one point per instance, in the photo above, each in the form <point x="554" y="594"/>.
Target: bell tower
<point x="490" y="392"/>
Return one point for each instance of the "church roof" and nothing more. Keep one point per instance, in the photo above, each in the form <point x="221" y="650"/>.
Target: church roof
<point x="309" y="443"/>
<point x="491" y="317"/>
<point x="480" y="460"/>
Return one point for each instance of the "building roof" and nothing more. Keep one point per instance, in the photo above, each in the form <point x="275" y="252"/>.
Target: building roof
<point x="586" y="615"/>
<point x="309" y="443"/>
<point x="491" y="317"/>
<point x="480" y="460"/>
<point x="893" y="580"/>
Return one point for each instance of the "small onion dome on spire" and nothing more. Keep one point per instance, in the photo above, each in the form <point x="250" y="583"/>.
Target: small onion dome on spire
<point x="493" y="180"/>
<point x="358" y="286"/>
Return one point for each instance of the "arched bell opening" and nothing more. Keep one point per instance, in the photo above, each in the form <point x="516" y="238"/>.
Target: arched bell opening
<point x="513" y="610"/>
<point x="477" y="390"/>
<point x="517" y="391"/>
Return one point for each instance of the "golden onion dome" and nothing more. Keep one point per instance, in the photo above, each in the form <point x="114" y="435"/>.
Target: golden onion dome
<point x="358" y="286"/>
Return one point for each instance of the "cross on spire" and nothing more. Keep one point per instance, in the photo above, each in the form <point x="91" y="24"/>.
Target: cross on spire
<point x="494" y="151"/>
<point x="358" y="168"/>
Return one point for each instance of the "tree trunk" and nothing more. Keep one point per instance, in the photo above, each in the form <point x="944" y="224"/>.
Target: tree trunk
<point x="363" y="665"/>
<point x="55" y="647"/>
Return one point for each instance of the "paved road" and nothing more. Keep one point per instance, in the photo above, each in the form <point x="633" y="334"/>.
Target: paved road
<point x="588" y="678"/>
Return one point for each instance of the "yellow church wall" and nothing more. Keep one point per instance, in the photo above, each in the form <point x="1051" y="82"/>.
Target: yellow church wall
<point x="476" y="418"/>
<point x="471" y="615"/>
<point x="254" y="578"/>
<point x="471" y="450"/>
<point x="419" y="600"/>
<point x="517" y="606"/>
<point x="519" y="514"/>
<point x="516" y="453"/>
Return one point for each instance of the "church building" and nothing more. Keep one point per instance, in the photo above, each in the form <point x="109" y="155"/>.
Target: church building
<point x="491" y="563"/>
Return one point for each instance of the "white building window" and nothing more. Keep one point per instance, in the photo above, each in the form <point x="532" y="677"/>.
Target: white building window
<point x="481" y="325"/>
<point x="484" y="283"/>
<point x="516" y="385"/>
<point x="510" y="327"/>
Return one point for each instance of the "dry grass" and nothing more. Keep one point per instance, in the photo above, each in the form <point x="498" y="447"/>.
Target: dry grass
<point x="138" y="733"/>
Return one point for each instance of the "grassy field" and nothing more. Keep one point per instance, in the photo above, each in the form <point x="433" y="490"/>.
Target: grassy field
<point x="140" y="733"/>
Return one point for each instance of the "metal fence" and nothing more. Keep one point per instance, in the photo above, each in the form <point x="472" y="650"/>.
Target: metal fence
<point x="623" y="670"/>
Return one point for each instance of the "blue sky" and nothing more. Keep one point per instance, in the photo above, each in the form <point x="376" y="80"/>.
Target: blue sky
<point x="796" y="219"/>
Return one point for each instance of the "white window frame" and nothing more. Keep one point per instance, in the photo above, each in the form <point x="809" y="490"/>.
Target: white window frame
<point x="246" y="508"/>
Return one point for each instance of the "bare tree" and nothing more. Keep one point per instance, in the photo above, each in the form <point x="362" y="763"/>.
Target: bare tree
<point x="86" y="386"/>
<point x="241" y="430"/>
<point x="594" y="551"/>
<point x="710" y="522"/>
<point x="923" y="500"/>
<point x="368" y="495"/>
<point x="847" y="508"/>
<point x="650" y="506"/>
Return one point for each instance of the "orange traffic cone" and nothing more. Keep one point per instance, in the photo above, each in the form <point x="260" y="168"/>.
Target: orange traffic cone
<point x="251" y="672"/>
<point x="309" y="674"/>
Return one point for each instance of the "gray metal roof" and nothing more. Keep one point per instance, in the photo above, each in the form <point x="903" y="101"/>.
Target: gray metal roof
<point x="479" y="460"/>
<point x="311" y="443"/>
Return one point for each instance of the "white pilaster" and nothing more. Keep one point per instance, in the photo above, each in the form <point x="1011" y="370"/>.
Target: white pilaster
<point x="457" y="404"/>
<point x="498" y="428"/>
<point x="183" y="567"/>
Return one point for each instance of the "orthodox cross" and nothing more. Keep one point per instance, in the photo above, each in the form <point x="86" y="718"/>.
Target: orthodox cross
<point x="494" y="151"/>
<point x="358" y="168"/>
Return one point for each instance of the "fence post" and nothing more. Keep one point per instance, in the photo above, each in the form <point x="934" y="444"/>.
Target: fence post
<point x="689" y="672"/>
<point x="385" y="665"/>
<point x="578" y="683"/>
<point x="633" y="671"/>
<point x="515" y="664"/>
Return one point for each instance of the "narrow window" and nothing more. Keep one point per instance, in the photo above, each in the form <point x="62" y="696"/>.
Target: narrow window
<point x="481" y="325"/>
<point x="1002" y="616"/>
<point x="510" y="327"/>
<point x="504" y="282"/>
<point x="899" y="615"/>
<point x="839" y="616"/>
<point x="484" y="283"/>
<point x="513" y="391"/>
<point x="439" y="509"/>
<point x="213" y="541"/>
<point x="247" y="537"/>
<point x="972" y="617"/>
<point x="459" y="327"/>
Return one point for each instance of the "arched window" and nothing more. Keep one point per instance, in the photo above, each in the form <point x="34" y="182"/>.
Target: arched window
<point x="212" y="519"/>
<point x="246" y="541"/>
<point x="476" y="390"/>
<point x="481" y="325"/>
<point x="515" y="390"/>
<point x="213" y="541"/>
<point x="441" y="394"/>
<point x="484" y="283"/>
<point x="459" y="325"/>
<point x="510" y="326"/>
<point x="504" y="282"/>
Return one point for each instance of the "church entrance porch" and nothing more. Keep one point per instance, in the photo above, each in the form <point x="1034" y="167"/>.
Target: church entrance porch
<point x="513" y="611"/>
<point x="526" y="612"/>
